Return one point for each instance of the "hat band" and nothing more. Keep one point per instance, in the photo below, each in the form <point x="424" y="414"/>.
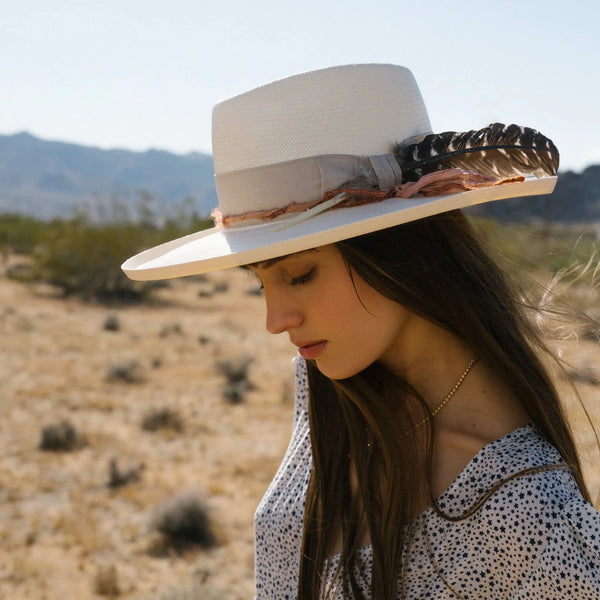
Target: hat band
<point x="438" y="183"/>
<point x="301" y="181"/>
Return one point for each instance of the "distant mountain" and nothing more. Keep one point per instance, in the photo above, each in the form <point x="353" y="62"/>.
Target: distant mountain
<point x="46" y="179"/>
<point x="576" y="199"/>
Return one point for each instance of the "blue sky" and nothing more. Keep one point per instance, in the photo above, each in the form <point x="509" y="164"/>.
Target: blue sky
<point x="141" y="74"/>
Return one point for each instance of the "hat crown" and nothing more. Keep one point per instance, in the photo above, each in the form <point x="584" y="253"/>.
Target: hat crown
<point x="351" y="109"/>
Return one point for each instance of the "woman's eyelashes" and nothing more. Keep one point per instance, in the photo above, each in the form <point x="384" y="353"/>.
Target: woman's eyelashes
<point x="299" y="280"/>
<point x="305" y="278"/>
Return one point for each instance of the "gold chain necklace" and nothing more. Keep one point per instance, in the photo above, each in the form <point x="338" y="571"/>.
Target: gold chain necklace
<point x="445" y="401"/>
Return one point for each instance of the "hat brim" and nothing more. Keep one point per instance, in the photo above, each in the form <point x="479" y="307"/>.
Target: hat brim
<point x="223" y="248"/>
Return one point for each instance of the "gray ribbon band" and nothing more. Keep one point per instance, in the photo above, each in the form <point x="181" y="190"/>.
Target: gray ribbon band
<point x="387" y="170"/>
<point x="299" y="181"/>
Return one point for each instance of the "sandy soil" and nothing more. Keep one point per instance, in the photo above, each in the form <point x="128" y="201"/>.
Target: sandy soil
<point x="63" y="532"/>
<point x="61" y="527"/>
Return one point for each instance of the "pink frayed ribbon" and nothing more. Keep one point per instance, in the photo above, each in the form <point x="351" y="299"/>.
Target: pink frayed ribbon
<point x="438" y="183"/>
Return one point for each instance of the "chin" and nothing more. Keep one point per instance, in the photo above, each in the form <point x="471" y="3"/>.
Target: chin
<point x="338" y="371"/>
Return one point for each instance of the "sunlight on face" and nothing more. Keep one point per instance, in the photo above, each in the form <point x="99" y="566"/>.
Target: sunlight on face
<point x="337" y="320"/>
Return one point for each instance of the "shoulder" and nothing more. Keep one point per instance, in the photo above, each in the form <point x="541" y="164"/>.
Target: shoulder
<point x="569" y="566"/>
<point x="516" y="518"/>
<point x="521" y="465"/>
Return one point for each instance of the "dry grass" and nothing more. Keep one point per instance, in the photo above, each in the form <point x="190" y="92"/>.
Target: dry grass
<point x="64" y="533"/>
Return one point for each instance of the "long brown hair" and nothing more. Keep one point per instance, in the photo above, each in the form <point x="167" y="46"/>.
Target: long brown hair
<point x="436" y="267"/>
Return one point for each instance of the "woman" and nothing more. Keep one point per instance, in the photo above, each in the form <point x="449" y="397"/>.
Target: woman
<point x="430" y="457"/>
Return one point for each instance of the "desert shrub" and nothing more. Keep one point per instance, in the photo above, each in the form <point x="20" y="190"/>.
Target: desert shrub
<point x="84" y="259"/>
<point x="183" y="522"/>
<point x="112" y="323"/>
<point x="171" y="329"/>
<point x="22" y="272"/>
<point x="206" y="292"/>
<point x="162" y="418"/>
<point x="106" y="582"/>
<point x="236" y="374"/>
<point x="535" y="249"/>
<point x="61" y="437"/>
<point x="118" y="478"/>
<point x="234" y="393"/>
<point x="183" y="225"/>
<point x="127" y="372"/>
<point x="19" y="233"/>
<point x="82" y="255"/>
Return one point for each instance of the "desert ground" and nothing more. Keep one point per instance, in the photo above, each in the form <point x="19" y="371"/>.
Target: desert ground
<point x="65" y="533"/>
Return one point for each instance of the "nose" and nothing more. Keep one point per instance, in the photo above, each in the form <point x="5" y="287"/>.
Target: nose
<point x="282" y="313"/>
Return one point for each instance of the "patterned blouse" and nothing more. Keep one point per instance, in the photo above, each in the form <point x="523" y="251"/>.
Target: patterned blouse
<point x="535" y="537"/>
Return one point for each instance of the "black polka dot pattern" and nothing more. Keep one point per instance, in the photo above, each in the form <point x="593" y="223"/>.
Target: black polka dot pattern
<point x="535" y="537"/>
<point x="279" y="516"/>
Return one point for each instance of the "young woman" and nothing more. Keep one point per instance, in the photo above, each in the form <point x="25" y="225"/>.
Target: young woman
<point x="430" y="457"/>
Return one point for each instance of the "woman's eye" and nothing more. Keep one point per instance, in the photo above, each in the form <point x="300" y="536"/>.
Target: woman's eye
<point x="303" y="278"/>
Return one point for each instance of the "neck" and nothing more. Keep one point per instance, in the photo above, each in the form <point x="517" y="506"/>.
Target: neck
<point x="430" y="358"/>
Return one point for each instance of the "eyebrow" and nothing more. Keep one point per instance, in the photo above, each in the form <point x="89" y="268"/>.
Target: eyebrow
<point x="266" y="264"/>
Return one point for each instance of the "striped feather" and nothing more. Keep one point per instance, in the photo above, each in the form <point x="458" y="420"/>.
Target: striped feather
<point x="498" y="150"/>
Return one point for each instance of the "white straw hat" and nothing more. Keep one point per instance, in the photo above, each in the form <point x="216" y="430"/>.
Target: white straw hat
<point x="279" y="150"/>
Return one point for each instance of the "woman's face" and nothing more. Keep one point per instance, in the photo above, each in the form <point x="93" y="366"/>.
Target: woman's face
<point x="339" y="321"/>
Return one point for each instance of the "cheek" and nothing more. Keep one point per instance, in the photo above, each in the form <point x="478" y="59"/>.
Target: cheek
<point x="359" y="339"/>
<point x="375" y="326"/>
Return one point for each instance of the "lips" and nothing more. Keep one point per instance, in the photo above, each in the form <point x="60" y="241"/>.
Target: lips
<point x="311" y="350"/>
